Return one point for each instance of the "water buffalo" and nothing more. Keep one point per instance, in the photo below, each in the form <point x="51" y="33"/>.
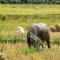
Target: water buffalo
<point x="55" y="28"/>
<point x="37" y="34"/>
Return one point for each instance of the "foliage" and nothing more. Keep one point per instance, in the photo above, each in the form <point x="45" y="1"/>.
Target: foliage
<point x="30" y="1"/>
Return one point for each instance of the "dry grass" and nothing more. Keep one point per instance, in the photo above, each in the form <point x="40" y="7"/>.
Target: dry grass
<point x="18" y="51"/>
<point x="21" y="51"/>
<point x="55" y="34"/>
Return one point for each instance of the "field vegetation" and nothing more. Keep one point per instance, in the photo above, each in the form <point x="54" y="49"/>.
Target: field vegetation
<point x="29" y="9"/>
<point x="13" y="46"/>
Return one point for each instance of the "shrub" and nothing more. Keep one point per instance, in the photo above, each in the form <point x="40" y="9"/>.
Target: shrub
<point x="3" y="18"/>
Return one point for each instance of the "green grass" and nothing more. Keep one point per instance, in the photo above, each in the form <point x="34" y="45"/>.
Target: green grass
<point x="10" y="22"/>
<point x="13" y="46"/>
<point x="29" y="9"/>
<point x="12" y="38"/>
<point x="13" y="15"/>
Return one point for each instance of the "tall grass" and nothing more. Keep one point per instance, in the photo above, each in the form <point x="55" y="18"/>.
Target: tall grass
<point x="12" y="38"/>
<point x="10" y="22"/>
<point x="21" y="51"/>
<point x="13" y="15"/>
<point x="14" y="46"/>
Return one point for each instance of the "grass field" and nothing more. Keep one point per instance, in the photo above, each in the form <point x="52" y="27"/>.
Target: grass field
<point x="29" y="9"/>
<point x="12" y="16"/>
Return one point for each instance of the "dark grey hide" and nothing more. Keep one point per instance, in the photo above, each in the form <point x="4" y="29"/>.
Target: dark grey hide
<point x="39" y="31"/>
